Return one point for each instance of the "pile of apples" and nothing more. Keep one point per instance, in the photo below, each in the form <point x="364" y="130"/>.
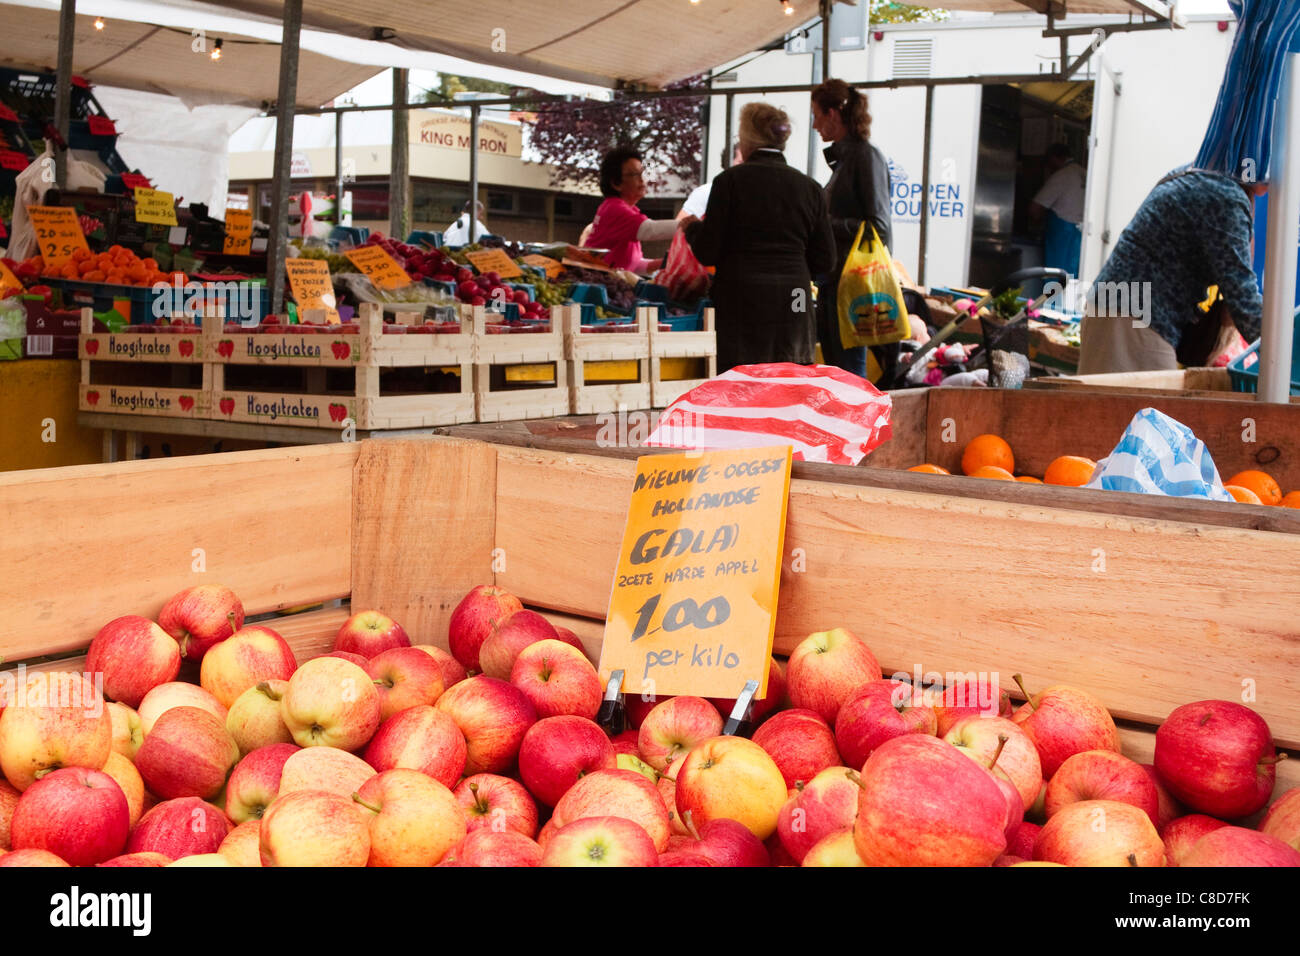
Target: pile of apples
<point x="385" y="753"/>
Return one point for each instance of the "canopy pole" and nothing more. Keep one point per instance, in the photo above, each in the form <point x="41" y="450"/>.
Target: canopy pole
<point x="473" y="173"/>
<point x="63" y="87"/>
<point x="826" y="40"/>
<point x="1280" y="262"/>
<point x="925" y="185"/>
<point x="731" y="100"/>
<point x="338" y="169"/>
<point x="399" y="175"/>
<point x="286" y="97"/>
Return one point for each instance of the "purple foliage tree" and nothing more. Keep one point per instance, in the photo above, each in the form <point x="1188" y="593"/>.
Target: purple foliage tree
<point x="573" y="136"/>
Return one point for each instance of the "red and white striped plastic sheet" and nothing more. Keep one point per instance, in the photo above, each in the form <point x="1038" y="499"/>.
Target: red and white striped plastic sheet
<point x="825" y="413"/>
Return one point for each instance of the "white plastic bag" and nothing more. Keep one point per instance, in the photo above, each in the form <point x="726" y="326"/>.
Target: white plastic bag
<point x="1160" y="456"/>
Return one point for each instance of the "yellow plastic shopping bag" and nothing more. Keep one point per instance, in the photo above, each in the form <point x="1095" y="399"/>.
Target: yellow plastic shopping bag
<point x="870" y="299"/>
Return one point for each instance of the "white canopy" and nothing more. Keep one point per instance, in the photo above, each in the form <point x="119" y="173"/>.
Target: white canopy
<point x="1155" y="8"/>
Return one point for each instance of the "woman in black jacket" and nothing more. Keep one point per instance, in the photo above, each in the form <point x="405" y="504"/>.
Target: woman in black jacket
<point x="767" y="231"/>
<point x="857" y="192"/>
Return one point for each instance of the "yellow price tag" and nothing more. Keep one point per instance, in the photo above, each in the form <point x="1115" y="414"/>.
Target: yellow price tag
<point x="312" y="287"/>
<point x="381" y="268"/>
<point x="239" y="232"/>
<point x="552" y="267"/>
<point x="693" y="607"/>
<point x="58" y="232"/>
<point x="155" y="206"/>
<point x="494" y="260"/>
<point x="8" y="280"/>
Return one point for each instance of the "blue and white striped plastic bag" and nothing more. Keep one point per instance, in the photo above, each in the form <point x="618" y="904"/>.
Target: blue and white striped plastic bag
<point x="1160" y="456"/>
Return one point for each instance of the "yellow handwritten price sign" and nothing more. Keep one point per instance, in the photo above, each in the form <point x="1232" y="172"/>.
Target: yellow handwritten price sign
<point x="494" y="260"/>
<point x="381" y="268"/>
<point x="546" y="263"/>
<point x="155" y="206"/>
<point x="8" y="280"/>
<point x="693" y="607"/>
<point x="239" y="232"/>
<point x="58" y="232"/>
<point x="312" y="287"/>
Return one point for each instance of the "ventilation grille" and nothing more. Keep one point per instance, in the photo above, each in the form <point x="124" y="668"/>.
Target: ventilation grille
<point x="912" y="57"/>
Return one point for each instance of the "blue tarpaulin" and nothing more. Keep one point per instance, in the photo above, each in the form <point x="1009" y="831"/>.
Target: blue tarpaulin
<point x="1239" y="139"/>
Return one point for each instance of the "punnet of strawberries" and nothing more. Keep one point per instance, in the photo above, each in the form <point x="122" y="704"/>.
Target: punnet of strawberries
<point x="479" y="746"/>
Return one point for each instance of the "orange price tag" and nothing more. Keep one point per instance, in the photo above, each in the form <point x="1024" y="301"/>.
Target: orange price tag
<point x="693" y="607"/>
<point x="239" y="232"/>
<point x="586" y="259"/>
<point x="312" y="287"/>
<point x="551" y="267"/>
<point x="58" y="232"/>
<point x="494" y="260"/>
<point x="381" y="268"/>
<point x="8" y="280"/>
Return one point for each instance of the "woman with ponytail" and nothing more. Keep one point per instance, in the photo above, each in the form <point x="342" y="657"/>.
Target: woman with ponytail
<point x="857" y="193"/>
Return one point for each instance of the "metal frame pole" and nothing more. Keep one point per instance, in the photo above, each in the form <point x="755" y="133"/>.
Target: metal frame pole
<point x="473" y="173"/>
<point x="63" y="87"/>
<point x="1280" y="261"/>
<point x="826" y="40"/>
<point x="399" y="175"/>
<point x="286" y="94"/>
<point x="338" y="169"/>
<point x="726" y="129"/>
<point x="925" y="186"/>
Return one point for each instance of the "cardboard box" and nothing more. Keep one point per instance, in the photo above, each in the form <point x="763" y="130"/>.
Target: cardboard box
<point x="42" y="320"/>
<point x="52" y="346"/>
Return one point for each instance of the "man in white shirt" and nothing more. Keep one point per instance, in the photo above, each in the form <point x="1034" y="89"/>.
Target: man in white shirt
<point x="457" y="234"/>
<point x="1061" y="200"/>
<point x="698" y="200"/>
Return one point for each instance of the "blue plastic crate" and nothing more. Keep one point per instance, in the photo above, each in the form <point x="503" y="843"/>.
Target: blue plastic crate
<point x="424" y="236"/>
<point x="1243" y="371"/>
<point x="589" y="294"/>
<point x="649" y="292"/>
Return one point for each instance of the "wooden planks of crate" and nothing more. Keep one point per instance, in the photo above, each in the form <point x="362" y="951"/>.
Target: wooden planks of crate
<point x="1187" y="609"/>
<point x="319" y="377"/>
<point x="702" y="347"/>
<point x="540" y="389"/>
<point x="142" y="371"/>
<point x="624" y="353"/>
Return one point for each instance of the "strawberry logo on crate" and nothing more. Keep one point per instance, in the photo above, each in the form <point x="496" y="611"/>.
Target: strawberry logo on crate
<point x="227" y="406"/>
<point x="185" y="347"/>
<point x="92" y="398"/>
<point x="92" y="346"/>
<point x="338" y="412"/>
<point x="187" y="402"/>
<point x="341" y="350"/>
<point x="225" y="348"/>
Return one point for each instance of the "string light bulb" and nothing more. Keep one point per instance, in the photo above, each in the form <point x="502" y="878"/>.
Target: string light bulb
<point x="216" y="50"/>
<point x="786" y="6"/>
<point x="99" y="23"/>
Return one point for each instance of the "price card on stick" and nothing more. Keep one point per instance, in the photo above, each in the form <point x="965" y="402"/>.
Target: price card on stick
<point x="309" y="279"/>
<point x="58" y="232"/>
<point x="239" y="232"/>
<point x="693" y="606"/>
<point x="494" y="260"/>
<point x="381" y="268"/>
<point x="155" y="206"/>
<point x="550" y="266"/>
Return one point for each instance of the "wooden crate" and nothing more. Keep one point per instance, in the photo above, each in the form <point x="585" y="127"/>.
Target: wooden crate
<point x="1189" y="608"/>
<point x="590" y="352"/>
<point x="540" y="387"/>
<point x="1187" y="382"/>
<point x="142" y="372"/>
<point x="295" y="367"/>
<point x="702" y="345"/>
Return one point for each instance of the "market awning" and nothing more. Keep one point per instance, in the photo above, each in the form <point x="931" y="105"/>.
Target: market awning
<point x="602" y="42"/>
<point x="1059" y="8"/>
<point x="160" y="59"/>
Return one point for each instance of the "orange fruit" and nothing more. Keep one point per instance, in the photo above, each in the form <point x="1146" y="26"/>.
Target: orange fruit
<point x="1030" y="479"/>
<point x="987" y="450"/>
<point x="1260" y="482"/>
<point x="1243" y="495"/>
<point x="992" y="471"/>
<point x="1069" y="470"/>
<point x="930" y="469"/>
<point x="1290" y="500"/>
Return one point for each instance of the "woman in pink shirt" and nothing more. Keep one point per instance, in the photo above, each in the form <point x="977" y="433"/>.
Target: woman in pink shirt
<point x="619" y="226"/>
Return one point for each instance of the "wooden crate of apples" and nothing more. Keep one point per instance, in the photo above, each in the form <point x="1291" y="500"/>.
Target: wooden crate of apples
<point x="381" y="753"/>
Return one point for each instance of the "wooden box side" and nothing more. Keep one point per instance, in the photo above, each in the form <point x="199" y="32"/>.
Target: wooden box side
<point x="273" y="525"/>
<point x="1146" y="614"/>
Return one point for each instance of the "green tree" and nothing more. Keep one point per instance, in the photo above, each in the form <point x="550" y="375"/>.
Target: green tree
<point x="885" y="11"/>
